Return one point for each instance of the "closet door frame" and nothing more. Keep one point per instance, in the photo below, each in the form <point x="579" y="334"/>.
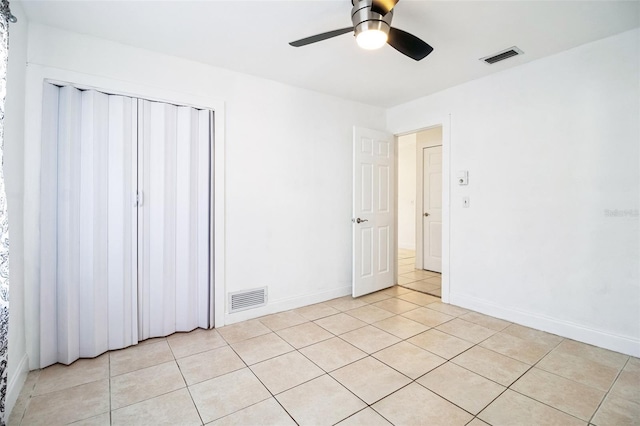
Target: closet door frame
<point x="36" y="76"/>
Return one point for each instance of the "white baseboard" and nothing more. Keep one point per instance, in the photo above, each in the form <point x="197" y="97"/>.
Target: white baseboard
<point x="282" y="305"/>
<point x="15" y="385"/>
<point x="623" y="344"/>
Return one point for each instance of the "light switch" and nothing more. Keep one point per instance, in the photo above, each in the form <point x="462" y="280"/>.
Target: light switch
<point x="463" y="177"/>
<point x="465" y="202"/>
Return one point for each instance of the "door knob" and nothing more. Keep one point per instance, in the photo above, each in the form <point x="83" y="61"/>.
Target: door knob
<point x="358" y="220"/>
<point x="426" y="214"/>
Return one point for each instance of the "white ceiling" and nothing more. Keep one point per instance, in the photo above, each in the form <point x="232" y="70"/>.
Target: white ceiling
<point x="252" y="37"/>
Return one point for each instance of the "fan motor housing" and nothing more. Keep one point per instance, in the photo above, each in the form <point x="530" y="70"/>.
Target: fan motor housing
<point x="364" y="19"/>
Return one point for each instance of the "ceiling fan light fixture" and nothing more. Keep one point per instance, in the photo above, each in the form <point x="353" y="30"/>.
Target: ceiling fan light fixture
<point x="372" y="39"/>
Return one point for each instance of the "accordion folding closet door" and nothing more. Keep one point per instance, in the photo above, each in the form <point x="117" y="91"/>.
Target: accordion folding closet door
<point x="125" y="222"/>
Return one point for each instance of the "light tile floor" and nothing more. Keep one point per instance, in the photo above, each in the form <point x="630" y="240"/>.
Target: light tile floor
<point x="393" y="357"/>
<point x="416" y="279"/>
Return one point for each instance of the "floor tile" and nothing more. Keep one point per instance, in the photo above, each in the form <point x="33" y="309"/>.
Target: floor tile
<point x="492" y="365"/>
<point x="418" y="298"/>
<point x="199" y="340"/>
<point x="207" y="365"/>
<point x="405" y="269"/>
<point x="417" y="274"/>
<point x="415" y="405"/>
<point x="402" y="280"/>
<point x="369" y="313"/>
<point x="466" y="330"/>
<point x="566" y="395"/>
<point x="396" y="290"/>
<point x="15" y="418"/>
<point x="546" y="339"/>
<point x="395" y="305"/>
<point x="305" y="334"/>
<point x="511" y="408"/>
<point x="282" y="320"/>
<point x="242" y="331"/>
<point x="616" y="411"/>
<point x="423" y="286"/>
<point x="409" y="359"/>
<point x="59" y="376"/>
<point x="428" y="317"/>
<point x="103" y="419"/>
<point x="317" y="311"/>
<point x="370" y="379"/>
<point x="627" y="385"/>
<point x="169" y="409"/>
<point x="340" y="323"/>
<point x="440" y="343"/>
<point x="68" y="405"/>
<point x="332" y="354"/>
<point x="579" y="369"/>
<point x="400" y="326"/>
<point x="146" y="383"/>
<point x="434" y="280"/>
<point x="285" y="371"/>
<point x="447" y="309"/>
<point x="486" y="321"/>
<point x="227" y="394"/>
<point x="308" y="403"/>
<point x="261" y="348"/>
<point x="345" y="303"/>
<point x="267" y="412"/>
<point x="366" y="417"/>
<point x="601" y="356"/>
<point x="438" y="292"/>
<point x="374" y="297"/>
<point x="526" y="351"/>
<point x="151" y="341"/>
<point x="477" y="422"/>
<point x="407" y="261"/>
<point x="141" y="356"/>
<point x="462" y="387"/>
<point x="370" y="339"/>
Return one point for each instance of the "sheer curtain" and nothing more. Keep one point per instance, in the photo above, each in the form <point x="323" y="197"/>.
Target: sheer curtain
<point x="5" y="18"/>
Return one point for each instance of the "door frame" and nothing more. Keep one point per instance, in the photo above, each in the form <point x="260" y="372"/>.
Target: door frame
<point x="36" y="76"/>
<point x="445" y="123"/>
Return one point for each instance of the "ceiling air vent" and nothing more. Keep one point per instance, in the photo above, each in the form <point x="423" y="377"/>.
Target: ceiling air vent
<point x="247" y="299"/>
<point x="501" y="56"/>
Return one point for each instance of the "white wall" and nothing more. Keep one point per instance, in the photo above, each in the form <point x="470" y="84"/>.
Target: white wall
<point x="407" y="191"/>
<point x="13" y="173"/>
<point x="550" y="146"/>
<point x="288" y="165"/>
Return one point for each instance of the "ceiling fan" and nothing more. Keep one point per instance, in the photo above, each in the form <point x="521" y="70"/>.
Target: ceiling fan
<point x="372" y="29"/>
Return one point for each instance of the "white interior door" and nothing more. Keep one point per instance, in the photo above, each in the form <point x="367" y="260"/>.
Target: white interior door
<point x="373" y="211"/>
<point x="432" y="208"/>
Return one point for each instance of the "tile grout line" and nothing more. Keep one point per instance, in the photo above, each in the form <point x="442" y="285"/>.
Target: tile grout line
<point x="185" y="380"/>
<point x="609" y="390"/>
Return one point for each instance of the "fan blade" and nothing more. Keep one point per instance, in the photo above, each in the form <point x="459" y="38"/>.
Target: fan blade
<point x="408" y="44"/>
<point x="320" y="37"/>
<point x="383" y="6"/>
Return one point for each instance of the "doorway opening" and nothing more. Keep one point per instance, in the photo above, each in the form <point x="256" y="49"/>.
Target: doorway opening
<point x="420" y="210"/>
